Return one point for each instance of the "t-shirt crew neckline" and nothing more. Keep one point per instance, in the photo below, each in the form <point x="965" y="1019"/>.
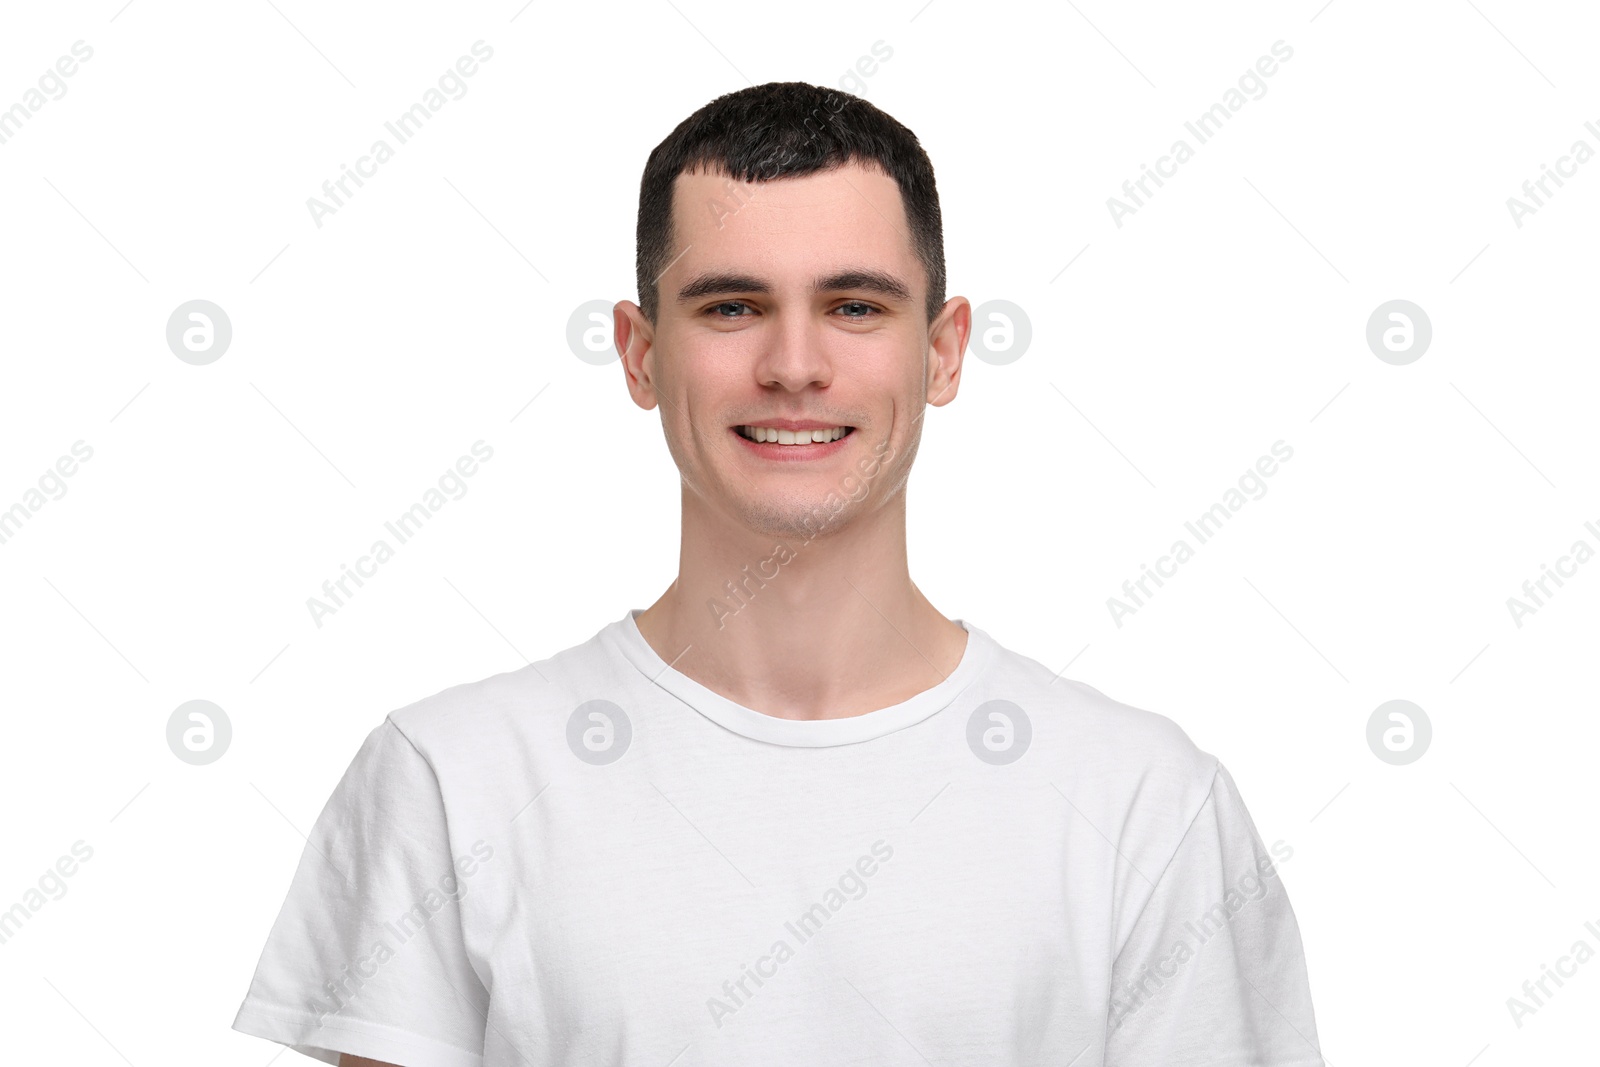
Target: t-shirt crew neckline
<point x="802" y="733"/>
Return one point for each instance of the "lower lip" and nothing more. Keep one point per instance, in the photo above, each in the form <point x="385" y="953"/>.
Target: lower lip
<point x="792" y="453"/>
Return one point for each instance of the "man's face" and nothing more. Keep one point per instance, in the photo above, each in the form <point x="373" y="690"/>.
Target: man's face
<point x="797" y="300"/>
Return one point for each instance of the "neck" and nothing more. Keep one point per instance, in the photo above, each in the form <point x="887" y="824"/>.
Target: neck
<point x="802" y="621"/>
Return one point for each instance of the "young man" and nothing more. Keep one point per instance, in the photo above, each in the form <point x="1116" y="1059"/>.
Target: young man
<point x="790" y="813"/>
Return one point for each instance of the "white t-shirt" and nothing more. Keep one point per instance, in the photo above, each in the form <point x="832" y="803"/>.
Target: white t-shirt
<point x="595" y="860"/>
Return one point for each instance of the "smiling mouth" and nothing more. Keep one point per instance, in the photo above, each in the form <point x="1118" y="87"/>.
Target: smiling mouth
<point x="768" y="435"/>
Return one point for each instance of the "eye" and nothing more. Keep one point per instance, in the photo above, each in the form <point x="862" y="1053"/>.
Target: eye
<point x="859" y="310"/>
<point x="716" y="308"/>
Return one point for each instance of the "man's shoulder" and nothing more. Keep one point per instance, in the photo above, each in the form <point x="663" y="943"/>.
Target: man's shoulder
<point x="1133" y="774"/>
<point x="1098" y="737"/>
<point x="1108" y="728"/>
<point x="498" y="707"/>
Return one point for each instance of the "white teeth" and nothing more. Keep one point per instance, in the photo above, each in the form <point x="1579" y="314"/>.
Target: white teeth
<point x="791" y="437"/>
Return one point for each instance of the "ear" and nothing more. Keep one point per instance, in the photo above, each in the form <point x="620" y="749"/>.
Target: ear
<point x="947" y="344"/>
<point x="633" y="334"/>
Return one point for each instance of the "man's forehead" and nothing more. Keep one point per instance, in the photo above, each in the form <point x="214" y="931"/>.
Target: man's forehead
<point x="846" y="219"/>
<point x="710" y="198"/>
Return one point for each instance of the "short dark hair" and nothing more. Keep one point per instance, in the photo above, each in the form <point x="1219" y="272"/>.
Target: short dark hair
<point x="786" y="130"/>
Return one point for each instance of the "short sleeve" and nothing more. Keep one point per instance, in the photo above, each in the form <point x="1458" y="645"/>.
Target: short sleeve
<point x="1213" y="973"/>
<point x="366" y="955"/>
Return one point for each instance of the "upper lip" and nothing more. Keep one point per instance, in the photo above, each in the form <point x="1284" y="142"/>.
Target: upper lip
<point x="794" y="424"/>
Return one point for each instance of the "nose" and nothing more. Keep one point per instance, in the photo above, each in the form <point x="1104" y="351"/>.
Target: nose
<point x="793" y="355"/>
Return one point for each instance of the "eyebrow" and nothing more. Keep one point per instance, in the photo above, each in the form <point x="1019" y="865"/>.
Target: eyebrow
<point x="873" y="281"/>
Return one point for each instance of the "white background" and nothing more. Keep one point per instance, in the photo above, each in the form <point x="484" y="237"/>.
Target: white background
<point x="1226" y="314"/>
